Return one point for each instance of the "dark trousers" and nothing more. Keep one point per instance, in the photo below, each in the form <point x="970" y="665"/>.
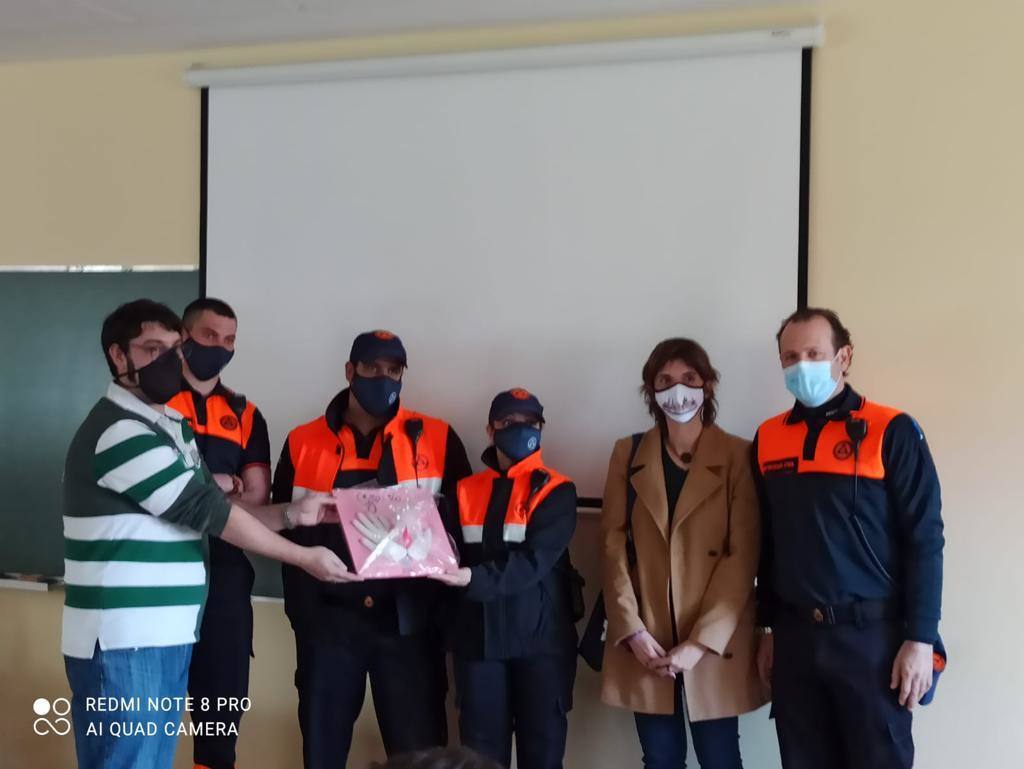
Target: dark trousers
<point x="663" y="739"/>
<point x="529" y="697"/>
<point x="220" y="670"/>
<point x="409" y="683"/>
<point x="831" y="698"/>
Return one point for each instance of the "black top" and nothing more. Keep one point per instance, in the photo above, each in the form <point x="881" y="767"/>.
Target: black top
<point x="813" y="553"/>
<point x="675" y="477"/>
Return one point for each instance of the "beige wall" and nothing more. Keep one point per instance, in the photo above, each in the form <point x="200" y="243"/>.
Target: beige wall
<point x="916" y="175"/>
<point x="100" y="156"/>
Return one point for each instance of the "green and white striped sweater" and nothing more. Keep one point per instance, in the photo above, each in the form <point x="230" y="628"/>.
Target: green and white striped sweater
<point x="137" y="503"/>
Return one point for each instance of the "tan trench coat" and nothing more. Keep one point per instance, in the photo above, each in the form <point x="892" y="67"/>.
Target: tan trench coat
<point x="712" y="591"/>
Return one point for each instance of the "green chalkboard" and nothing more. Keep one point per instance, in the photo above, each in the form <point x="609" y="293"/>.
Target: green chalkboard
<point x="52" y="373"/>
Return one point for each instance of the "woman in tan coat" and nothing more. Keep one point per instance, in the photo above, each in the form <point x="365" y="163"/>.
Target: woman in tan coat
<point x="681" y="621"/>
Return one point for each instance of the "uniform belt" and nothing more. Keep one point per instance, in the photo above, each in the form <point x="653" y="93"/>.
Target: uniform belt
<point x="856" y="613"/>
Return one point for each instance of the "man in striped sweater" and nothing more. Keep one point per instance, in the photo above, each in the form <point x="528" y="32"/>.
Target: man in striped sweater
<point x="138" y="504"/>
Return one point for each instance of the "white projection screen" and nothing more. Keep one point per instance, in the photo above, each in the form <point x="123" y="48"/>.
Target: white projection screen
<point x="542" y="226"/>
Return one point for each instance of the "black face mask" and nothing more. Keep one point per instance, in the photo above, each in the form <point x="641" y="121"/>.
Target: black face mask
<point x="378" y="394"/>
<point x="160" y="380"/>
<point x="205" y="361"/>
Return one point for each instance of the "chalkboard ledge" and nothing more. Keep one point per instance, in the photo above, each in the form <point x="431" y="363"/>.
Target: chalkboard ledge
<point x="36" y="582"/>
<point x="266" y="599"/>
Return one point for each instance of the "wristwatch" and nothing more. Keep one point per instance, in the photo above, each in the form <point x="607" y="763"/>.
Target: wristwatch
<point x="289" y="522"/>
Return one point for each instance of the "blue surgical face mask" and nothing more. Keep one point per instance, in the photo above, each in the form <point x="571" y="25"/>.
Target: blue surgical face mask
<point x="378" y="394"/>
<point x="517" y="441"/>
<point x="811" y="382"/>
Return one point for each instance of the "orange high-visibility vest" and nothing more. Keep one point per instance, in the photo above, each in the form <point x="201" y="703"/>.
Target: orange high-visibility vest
<point x="222" y="421"/>
<point x="318" y="453"/>
<point x="474" y="496"/>
<point x="780" y="445"/>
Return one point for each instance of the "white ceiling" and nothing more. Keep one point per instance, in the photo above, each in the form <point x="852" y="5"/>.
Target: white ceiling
<point x="40" y="29"/>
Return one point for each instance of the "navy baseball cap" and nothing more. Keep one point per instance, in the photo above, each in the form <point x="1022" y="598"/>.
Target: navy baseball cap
<point x="372" y="345"/>
<point x="515" y="401"/>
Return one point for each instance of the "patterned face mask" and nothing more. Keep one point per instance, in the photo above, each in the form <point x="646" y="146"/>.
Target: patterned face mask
<point x="679" y="402"/>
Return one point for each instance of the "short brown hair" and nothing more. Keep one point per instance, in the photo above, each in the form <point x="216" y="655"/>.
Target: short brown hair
<point x="694" y="356"/>
<point x="439" y="758"/>
<point x="125" y="324"/>
<point x="840" y="333"/>
<point x="199" y="306"/>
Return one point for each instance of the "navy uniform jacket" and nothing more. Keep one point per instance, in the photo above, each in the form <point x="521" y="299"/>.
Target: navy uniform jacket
<point x="814" y="553"/>
<point x="518" y="602"/>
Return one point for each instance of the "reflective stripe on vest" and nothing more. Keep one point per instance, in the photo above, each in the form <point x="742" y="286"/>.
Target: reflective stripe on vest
<point x="319" y="454"/>
<point x="474" y="495"/>
<point x="780" y="446"/>
<point x="221" y="419"/>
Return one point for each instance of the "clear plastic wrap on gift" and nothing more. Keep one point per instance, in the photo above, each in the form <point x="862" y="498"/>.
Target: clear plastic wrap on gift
<point x="394" y="531"/>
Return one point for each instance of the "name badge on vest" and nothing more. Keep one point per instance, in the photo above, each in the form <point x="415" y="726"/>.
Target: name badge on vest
<point x="787" y="466"/>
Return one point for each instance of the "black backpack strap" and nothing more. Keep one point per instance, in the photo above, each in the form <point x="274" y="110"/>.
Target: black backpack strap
<point x="630" y="501"/>
<point x="592" y="643"/>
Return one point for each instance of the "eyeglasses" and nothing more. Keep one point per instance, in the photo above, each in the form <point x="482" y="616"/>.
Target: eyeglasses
<point x="151" y="350"/>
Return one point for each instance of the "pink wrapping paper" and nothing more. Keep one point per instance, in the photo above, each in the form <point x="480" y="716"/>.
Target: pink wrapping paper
<point x="394" y="532"/>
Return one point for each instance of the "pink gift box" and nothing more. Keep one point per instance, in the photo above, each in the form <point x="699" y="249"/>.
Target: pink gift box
<point x="394" y="531"/>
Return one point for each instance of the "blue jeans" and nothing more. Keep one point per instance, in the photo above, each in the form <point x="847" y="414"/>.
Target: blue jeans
<point x="127" y="733"/>
<point x="663" y="740"/>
